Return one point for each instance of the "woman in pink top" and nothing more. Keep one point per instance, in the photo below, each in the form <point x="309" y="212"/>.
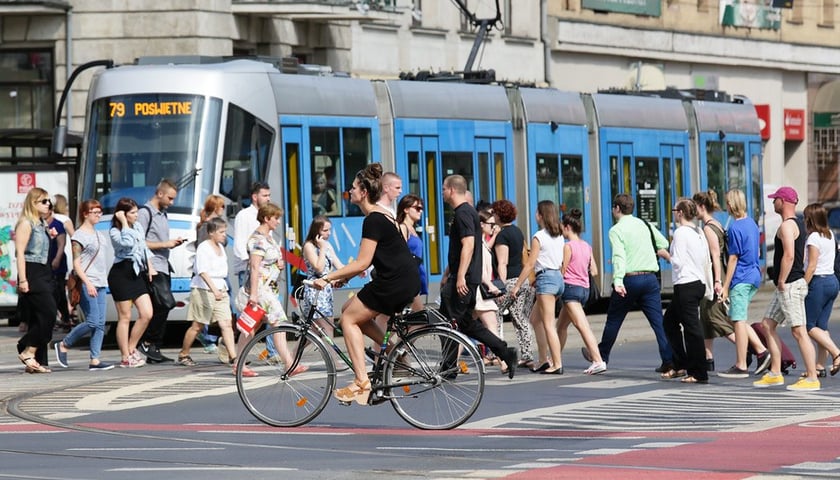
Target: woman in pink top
<point x="577" y="264"/>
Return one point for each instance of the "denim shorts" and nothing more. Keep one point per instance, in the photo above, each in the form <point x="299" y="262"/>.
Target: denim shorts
<point x="575" y="293"/>
<point x="549" y="282"/>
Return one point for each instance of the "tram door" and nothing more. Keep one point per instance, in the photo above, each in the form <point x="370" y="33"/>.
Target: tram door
<point x="424" y="179"/>
<point x="489" y="184"/>
<point x="291" y="150"/>
<point x="655" y="182"/>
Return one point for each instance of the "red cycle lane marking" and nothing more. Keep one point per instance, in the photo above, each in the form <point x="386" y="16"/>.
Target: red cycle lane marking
<point x="729" y="456"/>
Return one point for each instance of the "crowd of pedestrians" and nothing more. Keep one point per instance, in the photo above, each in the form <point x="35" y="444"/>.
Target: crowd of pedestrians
<point x="492" y="275"/>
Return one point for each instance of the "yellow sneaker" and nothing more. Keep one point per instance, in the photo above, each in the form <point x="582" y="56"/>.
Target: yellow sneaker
<point x="769" y="380"/>
<point x="805" y="385"/>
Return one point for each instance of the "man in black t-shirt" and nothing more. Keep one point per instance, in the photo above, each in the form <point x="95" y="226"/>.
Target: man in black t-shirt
<point x="463" y="274"/>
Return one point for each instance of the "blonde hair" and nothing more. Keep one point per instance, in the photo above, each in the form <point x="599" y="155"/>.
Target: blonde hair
<point x="60" y="204"/>
<point x="737" y="202"/>
<point x="29" y="211"/>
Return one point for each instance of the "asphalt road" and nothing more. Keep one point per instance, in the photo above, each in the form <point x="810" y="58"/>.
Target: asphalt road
<point x="188" y="423"/>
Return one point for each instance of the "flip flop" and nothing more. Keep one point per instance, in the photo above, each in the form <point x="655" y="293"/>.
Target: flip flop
<point x="692" y="379"/>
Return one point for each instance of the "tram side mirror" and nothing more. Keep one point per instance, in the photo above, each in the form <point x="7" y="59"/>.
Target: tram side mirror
<point x="241" y="180"/>
<point x="59" y="140"/>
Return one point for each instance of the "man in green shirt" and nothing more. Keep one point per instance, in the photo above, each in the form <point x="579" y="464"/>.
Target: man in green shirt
<point x="635" y="283"/>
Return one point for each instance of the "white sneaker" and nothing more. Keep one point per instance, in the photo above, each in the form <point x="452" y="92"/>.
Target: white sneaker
<point x="596" y="368"/>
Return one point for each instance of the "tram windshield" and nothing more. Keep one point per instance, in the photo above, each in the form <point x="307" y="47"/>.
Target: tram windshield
<point x="136" y="140"/>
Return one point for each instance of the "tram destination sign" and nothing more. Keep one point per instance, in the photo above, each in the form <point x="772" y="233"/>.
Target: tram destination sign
<point x="149" y="109"/>
<point x="652" y="8"/>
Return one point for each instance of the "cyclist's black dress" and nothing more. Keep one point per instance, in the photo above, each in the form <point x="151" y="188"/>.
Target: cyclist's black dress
<point x="397" y="280"/>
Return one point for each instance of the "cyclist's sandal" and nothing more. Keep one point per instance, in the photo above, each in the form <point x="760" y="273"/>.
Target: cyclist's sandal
<point x="355" y="391"/>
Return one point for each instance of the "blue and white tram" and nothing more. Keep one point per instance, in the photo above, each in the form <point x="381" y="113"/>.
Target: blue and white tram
<point x="211" y="130"/>
<point x="216" y="127"/>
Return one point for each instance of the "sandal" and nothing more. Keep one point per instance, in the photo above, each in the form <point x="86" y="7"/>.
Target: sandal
<point x="32" y="365"/>
<point x="671" y="374"/>
<point x="360" y="392"/>
<point x="693" y="379"/>
<point x="820" y="373"/>
<point x="835" y="366"/>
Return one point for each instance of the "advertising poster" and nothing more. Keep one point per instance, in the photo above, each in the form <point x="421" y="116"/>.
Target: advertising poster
<point x="18" y="183"/>
<point x="750" y="13"/>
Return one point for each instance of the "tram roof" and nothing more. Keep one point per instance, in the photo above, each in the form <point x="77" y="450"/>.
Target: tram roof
<point x="543" y="105"/>
<point x="445" y="101"/>
<point x="333" y="96"/>
<point x="726" y="117"/>
<point x="639" y="112"/>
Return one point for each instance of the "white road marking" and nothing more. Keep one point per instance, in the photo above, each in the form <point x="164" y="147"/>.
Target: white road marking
<point x="209" y="468"/>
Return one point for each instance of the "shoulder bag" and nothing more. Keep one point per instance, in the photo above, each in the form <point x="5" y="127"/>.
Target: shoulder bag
<point x="75" y="284"/>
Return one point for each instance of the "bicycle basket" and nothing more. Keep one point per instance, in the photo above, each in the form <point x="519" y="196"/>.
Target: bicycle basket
<point x="428" y="316"/>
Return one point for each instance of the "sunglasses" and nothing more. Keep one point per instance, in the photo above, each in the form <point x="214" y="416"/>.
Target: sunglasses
<point x="45" y="201"/>
<point x="95" y="212"/>
<point x="417" y="207"/>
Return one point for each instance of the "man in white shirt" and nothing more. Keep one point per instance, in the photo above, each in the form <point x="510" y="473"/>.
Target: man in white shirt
<point x="244" y="225"/>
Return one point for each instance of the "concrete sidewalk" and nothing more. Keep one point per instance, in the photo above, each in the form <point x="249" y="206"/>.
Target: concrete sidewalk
<point x="635" y="329"/>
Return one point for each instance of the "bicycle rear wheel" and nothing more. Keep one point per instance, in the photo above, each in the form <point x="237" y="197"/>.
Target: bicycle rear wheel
<point x="436" y="377"/>
<point x="269" y="392"/>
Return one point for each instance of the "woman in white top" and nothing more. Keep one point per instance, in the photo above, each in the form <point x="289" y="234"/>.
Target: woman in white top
<point x="820" y="250"/>
<point x="209" y="297"/>
<point x="689" y="255"/>
<point x="545" y="259"/>
<point x="486" y="308"/>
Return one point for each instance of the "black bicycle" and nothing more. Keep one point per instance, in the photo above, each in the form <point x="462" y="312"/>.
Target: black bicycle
<point x="433" y="375"/>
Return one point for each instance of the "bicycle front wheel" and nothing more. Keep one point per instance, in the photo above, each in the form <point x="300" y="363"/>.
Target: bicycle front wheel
<point x="281" y="394"/>
<point x="436" y="377"/>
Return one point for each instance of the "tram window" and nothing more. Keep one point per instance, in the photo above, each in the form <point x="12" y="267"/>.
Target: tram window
<point x="715" y="168"/>
<point x="483" y="187"/>
<point x="456" y="163"/>
<point x="498" y="171"/>
<point x="647" y="190"/>
<point x="413" y="172"/>
<point x="737" y="165"/>
<point x="548" y="177"/>
<point x="247" y="144"/>
<point x="614" y="176"/>
<point x="572" y="170"/>
<point x="356" y="155"/>
<point x="667" y="192"/>
<point x="336" y="155"/>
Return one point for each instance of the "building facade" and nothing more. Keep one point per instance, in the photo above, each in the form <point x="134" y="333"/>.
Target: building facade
<point x="786" y="61"/>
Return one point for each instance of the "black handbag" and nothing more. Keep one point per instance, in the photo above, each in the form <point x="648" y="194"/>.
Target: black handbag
<point x="160" y="289"/>
<point x="594" y="293"/>
<point x="487" y="294"/>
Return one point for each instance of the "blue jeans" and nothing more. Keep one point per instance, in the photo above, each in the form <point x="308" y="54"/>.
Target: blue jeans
<point x="642" y="290"/>
<point x="94" y="310"/>
<point x="822" y="291"/>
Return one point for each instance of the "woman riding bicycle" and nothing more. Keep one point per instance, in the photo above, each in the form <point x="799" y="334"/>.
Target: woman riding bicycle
<point x="396" y="283"/>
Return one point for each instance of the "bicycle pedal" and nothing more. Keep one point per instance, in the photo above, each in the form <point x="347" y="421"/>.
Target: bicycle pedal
<point x="343" y="403"/>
